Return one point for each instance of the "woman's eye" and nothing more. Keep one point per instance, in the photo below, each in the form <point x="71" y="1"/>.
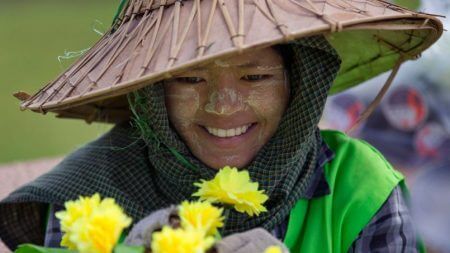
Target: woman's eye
<point x="253" y="78"/>
<point x="189" y="79"/>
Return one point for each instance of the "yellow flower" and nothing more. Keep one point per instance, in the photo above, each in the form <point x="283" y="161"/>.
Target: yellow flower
<point x="170" y="240"/>
<point x="233" y="187"/>
<point x="91" y="225"/>
<point x="273" y="249"/>
<point x="76" y="210"/>
<point x="201" y="216"/>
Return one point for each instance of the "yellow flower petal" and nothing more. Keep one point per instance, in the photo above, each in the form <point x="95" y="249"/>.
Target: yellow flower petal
<point x="92" y="225"/>
<point x="273" y="249"/>
<point x="235" y="188"/>
<point x="201" y="216"/>
<point x="77" y="209"/>
<point x="170" y="240"/>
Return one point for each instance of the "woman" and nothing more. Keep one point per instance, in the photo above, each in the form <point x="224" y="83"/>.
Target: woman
<point x="231" y="96"/>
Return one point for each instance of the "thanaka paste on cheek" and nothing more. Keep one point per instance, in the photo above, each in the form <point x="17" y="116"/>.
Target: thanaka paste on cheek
<point x="187" y="102"/>
<point x="261" y="101"/>
<point x="195" y="142"/>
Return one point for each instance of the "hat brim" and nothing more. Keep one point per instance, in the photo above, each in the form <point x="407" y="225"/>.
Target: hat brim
<point x="152" y="43"/>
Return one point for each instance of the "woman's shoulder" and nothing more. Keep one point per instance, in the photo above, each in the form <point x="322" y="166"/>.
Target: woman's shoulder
<point x="358" y="165"/>
<point x="340" y="142"/>
<point x="98" y="166"/>
<point x="121" y="137"/>
<point x="118" y="145"/>
<point x="355" y="151"/>
<point x="110" y="165"/>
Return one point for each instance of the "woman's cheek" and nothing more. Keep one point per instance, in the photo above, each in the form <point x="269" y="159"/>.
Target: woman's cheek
<point x="183" y="104"/>
<point x="268" y="102"/>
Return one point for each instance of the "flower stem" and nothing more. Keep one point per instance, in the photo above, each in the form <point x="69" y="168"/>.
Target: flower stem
<point x="226" y="213"/>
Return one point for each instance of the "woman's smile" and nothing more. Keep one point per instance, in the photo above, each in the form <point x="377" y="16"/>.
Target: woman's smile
<point x="227" y="133"/>
<point x="229" y="138"/>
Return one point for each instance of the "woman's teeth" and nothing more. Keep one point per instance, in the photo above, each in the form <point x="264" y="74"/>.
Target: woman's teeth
<point x="228" y="132"/>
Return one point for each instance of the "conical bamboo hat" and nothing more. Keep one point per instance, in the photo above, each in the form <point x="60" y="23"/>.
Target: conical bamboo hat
<point x="151" y="40"/>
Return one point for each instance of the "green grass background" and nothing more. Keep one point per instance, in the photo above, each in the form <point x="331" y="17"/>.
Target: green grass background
<point x="33" y="33"/>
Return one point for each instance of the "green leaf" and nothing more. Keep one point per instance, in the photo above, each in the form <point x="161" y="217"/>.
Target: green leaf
<point x="410" y="4"/>
<point x="30" y="248"/>
<point x="122" y="248"/>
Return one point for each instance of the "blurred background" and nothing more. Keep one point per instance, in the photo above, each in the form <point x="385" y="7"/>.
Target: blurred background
<point x="37" y="39"/>
<point x="411" y="127"/>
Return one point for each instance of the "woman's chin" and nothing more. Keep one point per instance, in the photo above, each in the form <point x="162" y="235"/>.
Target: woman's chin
<point x="241" y="160"/>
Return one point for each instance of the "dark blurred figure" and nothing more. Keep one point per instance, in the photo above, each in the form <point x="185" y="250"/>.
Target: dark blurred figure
<point x="410" y="128"/>
<point x="342" y="111"/>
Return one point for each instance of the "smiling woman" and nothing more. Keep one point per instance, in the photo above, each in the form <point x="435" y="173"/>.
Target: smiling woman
<point x="227" y="110"/>
<point x="238" y="83"/>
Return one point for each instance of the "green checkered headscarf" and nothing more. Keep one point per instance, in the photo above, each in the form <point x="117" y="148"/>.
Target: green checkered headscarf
<point x="283" y="167"/>
<point x="149" y="173"/>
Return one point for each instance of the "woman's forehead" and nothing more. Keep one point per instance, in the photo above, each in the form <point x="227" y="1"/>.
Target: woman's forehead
<point x="254" y="58"/>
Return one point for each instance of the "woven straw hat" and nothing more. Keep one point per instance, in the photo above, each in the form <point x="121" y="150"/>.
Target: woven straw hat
<point x="151" y="40"/>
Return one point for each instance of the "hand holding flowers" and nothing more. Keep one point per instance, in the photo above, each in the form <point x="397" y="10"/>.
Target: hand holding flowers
<point x="230" y="188"/>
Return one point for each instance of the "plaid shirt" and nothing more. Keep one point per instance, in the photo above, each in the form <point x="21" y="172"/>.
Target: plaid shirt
<point x="390" y="230"/>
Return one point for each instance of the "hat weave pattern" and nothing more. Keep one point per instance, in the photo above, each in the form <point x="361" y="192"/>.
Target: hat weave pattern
<point x="152" y="40"/>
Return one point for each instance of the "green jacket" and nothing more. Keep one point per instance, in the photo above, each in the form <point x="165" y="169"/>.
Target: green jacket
<point x="360" y="181"/>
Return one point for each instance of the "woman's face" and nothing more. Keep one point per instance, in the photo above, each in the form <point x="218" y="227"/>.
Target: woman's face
<point x="227" y="111"/>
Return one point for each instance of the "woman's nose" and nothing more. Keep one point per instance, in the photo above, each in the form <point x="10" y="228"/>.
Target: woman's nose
<point x="225" y="98"/>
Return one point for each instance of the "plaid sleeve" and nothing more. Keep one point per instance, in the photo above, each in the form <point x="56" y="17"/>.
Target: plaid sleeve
<point x="53" y="232"/>
<point x="390" y="230"/>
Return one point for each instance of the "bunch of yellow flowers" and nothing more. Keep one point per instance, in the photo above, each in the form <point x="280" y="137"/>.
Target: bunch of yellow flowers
<point x="93" y="225"/>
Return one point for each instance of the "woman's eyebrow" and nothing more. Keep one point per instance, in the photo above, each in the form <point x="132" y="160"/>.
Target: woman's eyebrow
<point x="242" y="65"/>
<point x="261" y="66"/>
<point x="249" y="65"/>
